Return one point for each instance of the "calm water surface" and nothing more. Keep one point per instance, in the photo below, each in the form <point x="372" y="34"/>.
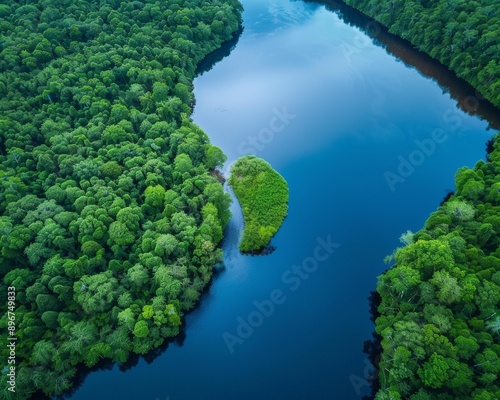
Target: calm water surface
<point x="337" y="116"/>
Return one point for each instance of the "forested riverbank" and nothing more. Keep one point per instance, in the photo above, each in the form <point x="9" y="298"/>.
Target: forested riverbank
<point x="110" y="217"/>
<point x="439" y="316"/>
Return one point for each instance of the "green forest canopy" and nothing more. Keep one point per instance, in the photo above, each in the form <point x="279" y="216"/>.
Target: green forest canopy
<point x="440" y="309"/>
<point x="110" y="217"/>
<point x="464" y="35"/>
<point x="263" y="195"/>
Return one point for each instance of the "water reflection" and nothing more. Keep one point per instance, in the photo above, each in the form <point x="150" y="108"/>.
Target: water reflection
<point x="218" y="55"/>
<point x="272" y="17"/>
<point x="468" y="99"/>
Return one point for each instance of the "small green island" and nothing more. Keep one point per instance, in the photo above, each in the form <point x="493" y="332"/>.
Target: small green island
<point x="263" y="195"/>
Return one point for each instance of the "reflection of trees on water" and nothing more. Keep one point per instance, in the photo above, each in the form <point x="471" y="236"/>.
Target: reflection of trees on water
<point x="465" y="95"/>
<point x="372" y="347"/>
<point x="218" y="55"/>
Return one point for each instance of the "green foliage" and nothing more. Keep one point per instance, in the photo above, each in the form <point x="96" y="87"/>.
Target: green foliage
<point x="463" y="35"/>
<point x="263" y="195"/>
<point x="141" y="329"/>
<point x="215" y="157"/>
<point x="440" y="301"/>
<point x="110" y="217"/>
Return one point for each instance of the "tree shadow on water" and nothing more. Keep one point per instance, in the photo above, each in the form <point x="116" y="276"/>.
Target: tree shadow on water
<point x="372" y="347"/>
<point x="218" y="55"/>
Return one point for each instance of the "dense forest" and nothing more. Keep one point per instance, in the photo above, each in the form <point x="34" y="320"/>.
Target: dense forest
<point x="110" y="212"/>
<point x="263" y="195"/>
<point x="463" y="35"/>
<point x="440" y="303"/>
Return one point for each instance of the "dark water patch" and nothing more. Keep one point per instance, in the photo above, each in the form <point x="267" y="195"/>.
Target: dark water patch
<point x="373" y="347"/>
<point x="447" y="197"/>
<point x="265" y="251"/>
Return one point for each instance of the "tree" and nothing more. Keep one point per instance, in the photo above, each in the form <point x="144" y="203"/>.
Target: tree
<point x="131" y="217"/>
<point x="448" y="289"/>
<point x="127" y="318"/>
<point x="120" y="235"/>
<point x="407" y="237"/>
<point x="112" y="170"/>
<point x="434" y="372"/>
<point x="435" y="342"/>
<point x="400" y="281"/>
<point x="141" y="329"/>
<point x="46" y="302"/>
<point x="114" y="134"/>
<point x="427" y="256"/>
<point x="83" y="334"/>
<point x="119" y="112"/>
<point x="91" y="229"/>
<point x="147" y="312"/>
<point x="460" y="210"/>
<point x="172" y="315"/>
<point x="92" y="248"/>
<point x="183" y="164"/>
<point x="155" y="196"/>
<point x="19" y="278"/>
<point x="160" y="92"/>
<point x="488" y="298"/>
<point x="50" y="319"/>
<point x="96" y="352"/>
<point x="138" y="277"/>
<point x="96" y="293"/>
<point x="43" y="353"/>
<point x="166" y="245"/>
<point x="86" y="169"/>
<point x="467" y="347"/>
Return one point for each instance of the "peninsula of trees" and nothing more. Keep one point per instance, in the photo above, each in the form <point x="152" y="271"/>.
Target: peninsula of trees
<point x="263" y="196"/>
<point x="463" y="35"/>
<point x="440" y="303"/>
<point x="110" y="218"/>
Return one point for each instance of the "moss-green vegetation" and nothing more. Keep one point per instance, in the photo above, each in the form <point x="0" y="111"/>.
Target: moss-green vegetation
<point x="440" y="308"/>
<point x="463" y="35"/>
<point x="109" y="215"/>
<point x="263" y="195"/>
